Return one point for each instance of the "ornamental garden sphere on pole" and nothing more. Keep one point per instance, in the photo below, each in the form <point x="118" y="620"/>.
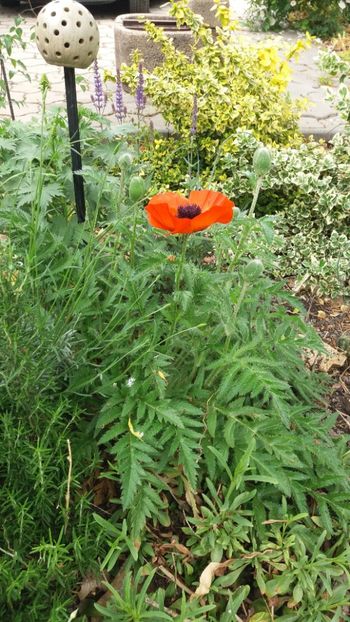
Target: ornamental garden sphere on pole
<point x="67" y="35"/>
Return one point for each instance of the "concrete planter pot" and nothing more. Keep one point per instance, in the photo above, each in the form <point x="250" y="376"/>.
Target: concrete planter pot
<point x="204" y="8"/>
<point x="130" y="34"/>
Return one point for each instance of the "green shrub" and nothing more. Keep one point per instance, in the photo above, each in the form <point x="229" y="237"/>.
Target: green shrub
<point x="236" y="84"/>
<point x="338" y="67"/>
<point x="323" y="18"/>
<point x="44" y="551"/>
<point x="307" y="191"/>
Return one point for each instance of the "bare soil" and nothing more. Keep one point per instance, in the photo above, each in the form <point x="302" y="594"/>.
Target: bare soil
<point x="331" y="319"/>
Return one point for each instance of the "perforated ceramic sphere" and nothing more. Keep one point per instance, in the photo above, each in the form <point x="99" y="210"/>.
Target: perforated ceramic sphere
<point x="67" y="34"/>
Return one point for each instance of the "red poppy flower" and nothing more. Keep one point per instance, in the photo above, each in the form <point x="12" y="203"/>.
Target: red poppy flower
<point x="174" y="213"/>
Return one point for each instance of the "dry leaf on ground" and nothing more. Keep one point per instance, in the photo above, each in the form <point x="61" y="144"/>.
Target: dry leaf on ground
<point x="332" y="359"/>
<point x="90" y="585"/>
<point x="208" y="575"/>
<point x="325" y="361"/>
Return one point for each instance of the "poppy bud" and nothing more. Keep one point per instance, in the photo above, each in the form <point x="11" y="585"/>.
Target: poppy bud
<point x="261" y="161"/>
<point x="253" y="270"/>
<point x="136" y="188"/>
<point x="125" y="160"/>
<point x="236" y="212"/>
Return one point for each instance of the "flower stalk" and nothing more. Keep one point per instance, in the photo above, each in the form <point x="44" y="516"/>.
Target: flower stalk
<point x="99" y="98"/>
<point x="178" y="279"/>
<point x="140" y="97"/>
<point x="118" y="106"/>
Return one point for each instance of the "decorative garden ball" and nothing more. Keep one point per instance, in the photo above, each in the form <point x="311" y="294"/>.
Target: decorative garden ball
<point x="67" y="34"/>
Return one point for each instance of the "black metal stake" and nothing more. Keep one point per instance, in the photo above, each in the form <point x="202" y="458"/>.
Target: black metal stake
<point x="73" y="125"/>
<point x="7" y="87"/>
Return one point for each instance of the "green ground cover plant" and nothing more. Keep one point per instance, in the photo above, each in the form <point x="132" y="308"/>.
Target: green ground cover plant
<point x="171" y="367"/>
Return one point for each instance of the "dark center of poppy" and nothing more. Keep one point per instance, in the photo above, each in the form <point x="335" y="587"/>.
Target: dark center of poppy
<point x="188" y="211"/>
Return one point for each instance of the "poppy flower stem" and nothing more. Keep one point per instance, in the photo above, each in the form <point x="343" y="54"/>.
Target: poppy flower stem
<point x="121" y="189"/>
<point x="181" y="262"/>
<point x="237" y="307"/>
<point x="247" y="225"/>
<point x="255" y="196"/>
<point x="133" y="234"/>
<point x="178" y="277"/>
<point x="240" y="300"/>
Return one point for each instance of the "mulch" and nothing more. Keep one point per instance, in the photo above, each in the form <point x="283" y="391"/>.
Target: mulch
<point x="331" y="319"/>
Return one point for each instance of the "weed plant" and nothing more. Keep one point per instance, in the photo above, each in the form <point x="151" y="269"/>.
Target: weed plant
<point x="177" y="376"/>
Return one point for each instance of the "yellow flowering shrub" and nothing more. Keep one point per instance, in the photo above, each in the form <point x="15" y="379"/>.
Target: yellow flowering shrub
<point x="237" y="84"/>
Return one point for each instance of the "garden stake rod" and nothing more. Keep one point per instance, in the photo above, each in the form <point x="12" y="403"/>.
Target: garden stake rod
<point x="7" y="88"/>
<point x="67" y="35"/>
<point x="73" y="125"/>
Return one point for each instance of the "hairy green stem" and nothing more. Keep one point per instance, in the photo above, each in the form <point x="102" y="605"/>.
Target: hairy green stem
<point x="178" y="278"/>
<point x="247" y="225"/>
<point x="39" y="188"/>
<point x="133" y="235"/>
<point x="240" y="300"/>
<point x="255" y="196"/>
<point x="121" y="190"/>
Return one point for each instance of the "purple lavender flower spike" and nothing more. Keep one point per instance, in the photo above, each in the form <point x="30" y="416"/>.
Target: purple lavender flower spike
<point x="119" y="108"/>
<point x="193" y="130"/>
<point x="140" y="91"/>
<point x="99" y="98"/>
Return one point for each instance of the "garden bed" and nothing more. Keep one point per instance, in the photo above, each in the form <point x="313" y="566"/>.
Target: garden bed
<point x="173" y="438"/>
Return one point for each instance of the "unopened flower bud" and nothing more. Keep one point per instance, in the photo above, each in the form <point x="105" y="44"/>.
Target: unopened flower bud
<point x="261" y="161"/>
<point x="125" y="160"/>
<point x="136" y="188"/>
<point x="253" y="270"/>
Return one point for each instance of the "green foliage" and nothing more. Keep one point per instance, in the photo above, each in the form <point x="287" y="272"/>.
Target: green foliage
<point x="47" y="277"/>
<point x="44" y="550"/>
<point x="307" y="191"/>
<point x="8" y="43"/>
<point x="323" y="18"/>
<point x="236" y="84"/>
<point x="338" y="67"/>
<point x="181" y="382"/>
<point x="134" y="603"/>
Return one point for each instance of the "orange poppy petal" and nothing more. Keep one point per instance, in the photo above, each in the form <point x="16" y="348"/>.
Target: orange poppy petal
<point x="160" y="216"/>
<point x="221" y="213"/>
<point x="206" y="199"/>
<point x="172" y="199"/>
<point x="183" y="225"/>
